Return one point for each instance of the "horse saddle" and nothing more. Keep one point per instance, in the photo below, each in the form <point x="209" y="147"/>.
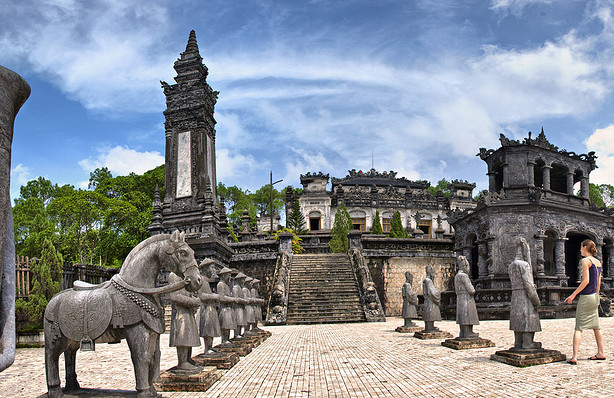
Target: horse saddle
<point x="84" y="312"/>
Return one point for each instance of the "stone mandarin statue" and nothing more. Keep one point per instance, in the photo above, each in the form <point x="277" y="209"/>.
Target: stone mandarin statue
<point x="432" y="300"/>
<point x="410" y="301"/>
<point x="524" y="317"/>
<point x="250" y="315"/>
<point x="184" y="330"/>
<point x="259" y="302"/>
<point x="209" y="319"/>
<point x="239" y="305"/>
<point x="226" y="316"/>
<point x="466" y="312"/>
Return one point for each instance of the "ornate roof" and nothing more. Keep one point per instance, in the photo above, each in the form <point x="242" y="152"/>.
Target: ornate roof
<point x="373" y="177"/>
<point x="541" y="142"/>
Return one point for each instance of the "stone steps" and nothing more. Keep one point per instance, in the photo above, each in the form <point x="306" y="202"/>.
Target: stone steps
<point x="323" y="289"/>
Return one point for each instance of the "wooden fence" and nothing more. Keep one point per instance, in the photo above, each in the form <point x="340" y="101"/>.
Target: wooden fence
<point x="71" y="272"/>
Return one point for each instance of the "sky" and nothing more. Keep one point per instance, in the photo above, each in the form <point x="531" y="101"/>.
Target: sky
<point x="305" y="86"/>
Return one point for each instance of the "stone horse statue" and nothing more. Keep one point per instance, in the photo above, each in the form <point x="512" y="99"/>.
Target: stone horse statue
<point x="126" y="307"/>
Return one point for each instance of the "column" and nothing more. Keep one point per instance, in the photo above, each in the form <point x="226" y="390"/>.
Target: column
<point x="482" y="260"/>
<point x="609" y="271"/>
<point x="584" y="187"/>
<point x="531" y="173"/>
<point x="539" y="249"/>
<point x="546" y="177"/>
<point x="559" y="256"/>
<point x="489" y="261"/>
<point x="504" y="181"/>
<point x="570" y="182"/>
<point x="491" y="181"/>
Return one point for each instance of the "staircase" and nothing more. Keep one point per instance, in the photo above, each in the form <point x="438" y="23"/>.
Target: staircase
<point x="323" y="289"/>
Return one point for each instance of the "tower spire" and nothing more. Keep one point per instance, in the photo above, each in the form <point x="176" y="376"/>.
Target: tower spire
<point x="192" y="47"/>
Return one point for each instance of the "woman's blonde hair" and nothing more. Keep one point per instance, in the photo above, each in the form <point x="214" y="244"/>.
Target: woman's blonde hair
<point x="590" y="246"/>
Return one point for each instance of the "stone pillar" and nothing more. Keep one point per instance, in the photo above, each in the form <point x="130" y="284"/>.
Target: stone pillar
<point x="491" y="181"/>
<point x="584" y="187"/>
<point x="546" y="177"/>
<point x="354" y="240"/>
<point x="539" y="251"/>
<point x="570" y="182"/>
<point x="599" y="246"/>
<point x="285" y="242"/>
<point x="482" y="259"/>
<point x="467" y="253"/>
<point x="491" y="249"/>
<point x="531" y="173"/>
<point x="609" y="271"/>
<point x="559" y="256"/>
<point x="506" y="176"/>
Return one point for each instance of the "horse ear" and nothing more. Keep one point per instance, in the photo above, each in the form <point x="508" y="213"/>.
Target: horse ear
<point x="182" y="236"/>
<point x="175" y="236"/>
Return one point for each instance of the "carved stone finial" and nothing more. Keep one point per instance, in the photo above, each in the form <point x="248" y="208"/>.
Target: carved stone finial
<point x="192" y="46"/>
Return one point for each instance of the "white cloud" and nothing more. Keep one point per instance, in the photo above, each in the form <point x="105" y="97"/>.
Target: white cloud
<point x="602" y="142"/>
<point x="515" y="6"/>
<point x="231" y="164"/>
<point x="300" y="161"/>
<point x="122" y="161"/>
<point x="20" y="175"/>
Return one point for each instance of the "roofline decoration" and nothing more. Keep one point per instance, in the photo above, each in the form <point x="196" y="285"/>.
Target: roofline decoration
<point x="376" y="175"/>
<point x="541" y="142"/>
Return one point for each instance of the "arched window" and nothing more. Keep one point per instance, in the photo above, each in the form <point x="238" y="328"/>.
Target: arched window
<point x="539" y="173"/>
<point x="558" y="178"/>
<point x="315" y="220"/>
<point x="359" y="220"/>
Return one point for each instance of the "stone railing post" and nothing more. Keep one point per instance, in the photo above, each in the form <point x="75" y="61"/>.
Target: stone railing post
<point x="372" y="306"/>
<point x="14" y="91"/>
<point x="354" y="240"/>
<point x="559" y="256"/>
<point x="285" y="242"/>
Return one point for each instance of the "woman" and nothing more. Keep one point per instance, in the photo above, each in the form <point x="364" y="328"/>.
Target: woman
<point x="587" y="315"/>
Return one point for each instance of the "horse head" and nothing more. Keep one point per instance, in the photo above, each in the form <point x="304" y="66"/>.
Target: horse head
<point x="177" y="257"/>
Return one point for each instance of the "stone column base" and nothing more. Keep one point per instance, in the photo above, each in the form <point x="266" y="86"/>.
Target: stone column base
<point x="530" y="358"/>
<point x="221" y="360"/>
<point x="199" y="381"/>
<point x="408" y="329"/>
<point x="466" y="344"/>
<point x="440" y="334"/>
<point x="240" y="350"/>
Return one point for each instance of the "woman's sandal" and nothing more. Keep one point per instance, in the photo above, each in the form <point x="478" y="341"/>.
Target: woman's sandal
<point x="596" y="358"/>
<point x="572" y="362"/>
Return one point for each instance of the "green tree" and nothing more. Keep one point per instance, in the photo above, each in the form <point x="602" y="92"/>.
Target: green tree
<point x="601" y="195"/>
<point x="296" y="221"/>
<point x="296" y="240"/>
<point x="443" y="185"/>
<point x="396" y="227"/>
<point x="46" y="276"/>
<point x="376" y="229"/>
<point x="339" y="233"/>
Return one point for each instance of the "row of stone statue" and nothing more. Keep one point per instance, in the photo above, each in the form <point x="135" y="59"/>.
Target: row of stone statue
<point x="524" y="306"/>
<point x="235" y="306"/>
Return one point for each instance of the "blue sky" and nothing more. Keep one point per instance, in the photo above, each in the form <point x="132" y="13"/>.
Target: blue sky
<point x="315" y="85"/>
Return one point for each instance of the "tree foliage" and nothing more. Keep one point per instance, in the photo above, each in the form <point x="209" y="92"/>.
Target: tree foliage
<point x="396" y="227"/>
<point x="443" y="185"/>
<point x="339" y="233"/>
<point x="257" y="204"/>
<point x="601" y="195"/>
<point x="46" y="277"/>
<point x="296" y="221"/>
<point x="377" y="229"/>
<point x="296" y="240"/>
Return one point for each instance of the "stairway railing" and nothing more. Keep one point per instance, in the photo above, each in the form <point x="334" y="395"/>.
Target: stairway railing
<point x="371" y="304"/>
<point x="277" y="307"/>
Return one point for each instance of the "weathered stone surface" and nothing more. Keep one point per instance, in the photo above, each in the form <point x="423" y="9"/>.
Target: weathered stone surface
<point x="408" y="329"/>
<point x="14" y="91"/>
<point x="219" y="359"/>
<point x="240" y="350"/>
<point x="466" y="344"/>
<point x="440" y="334"/>
<point x="522" y="360"/>
<point x="201" y="381"/>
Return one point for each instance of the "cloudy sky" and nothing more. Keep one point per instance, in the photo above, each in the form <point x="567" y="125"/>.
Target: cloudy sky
<point x="415" y="86"/>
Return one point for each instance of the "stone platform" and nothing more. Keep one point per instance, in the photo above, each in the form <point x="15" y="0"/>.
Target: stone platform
<point x="96" y="393"/>
<point x="239" y="349"/>
<point x="219" y="359"/>
<point x="467" y="344"/>
<point x="178" y="381"/>
<point x="408" y="329"/>
<point x="521" y="359"/>
<point x="440" y="334"/>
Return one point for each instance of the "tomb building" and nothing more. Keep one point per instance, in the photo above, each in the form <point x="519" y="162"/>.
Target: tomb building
<point x="540" y="193"/>
<point x="364" y="193"/>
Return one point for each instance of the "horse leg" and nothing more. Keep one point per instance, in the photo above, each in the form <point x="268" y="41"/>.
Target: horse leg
<point x="154" y="366"/>
<point x="54" y="346"/>
<point x="70" y="357"/>
<point x="142" y="350"/>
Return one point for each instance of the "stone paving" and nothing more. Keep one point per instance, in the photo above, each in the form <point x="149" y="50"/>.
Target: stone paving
<point x="357" y="360"/>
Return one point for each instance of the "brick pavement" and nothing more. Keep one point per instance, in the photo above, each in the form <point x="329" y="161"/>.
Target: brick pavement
<point x="357" y="360"/>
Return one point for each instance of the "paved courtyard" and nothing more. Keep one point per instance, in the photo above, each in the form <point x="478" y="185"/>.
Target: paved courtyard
<point x="357" y="360"/>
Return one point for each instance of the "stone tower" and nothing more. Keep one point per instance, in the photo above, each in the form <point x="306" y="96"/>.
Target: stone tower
<point x="190" y="199"/>
<point x="539" y="192"/>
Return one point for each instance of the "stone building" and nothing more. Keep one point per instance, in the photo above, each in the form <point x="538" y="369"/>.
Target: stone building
<point x="541" y="193"/>
<point x="364" y="193"/>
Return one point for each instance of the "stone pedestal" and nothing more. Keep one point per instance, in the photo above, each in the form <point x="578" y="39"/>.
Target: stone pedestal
<point x="527" y="358"/>
<point x="240" y="350"/>
<point x="466" y="344"/>
<point x="434" y="334"/>
<point x="221" y="360"/>
<point x="252" y="341"/>
<point x="187" y="381"/>
<point x="408" y="329"/>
